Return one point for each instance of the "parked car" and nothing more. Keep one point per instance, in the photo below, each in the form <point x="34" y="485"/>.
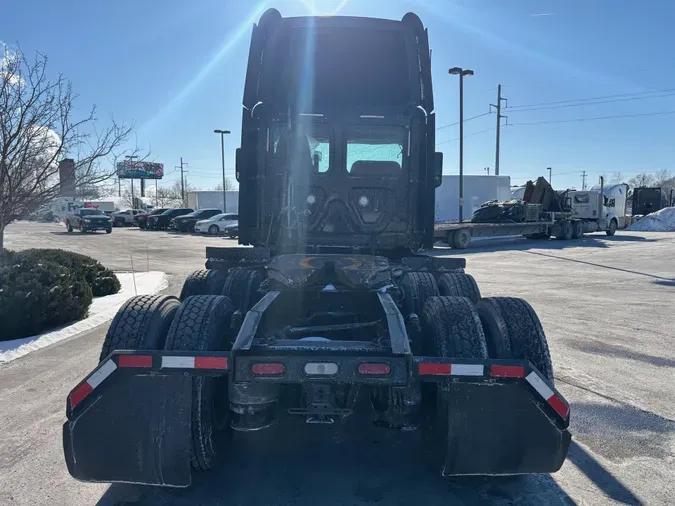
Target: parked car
<point x="162" y="221"/>
<point x="88" y="220"/>
<point x="125" y="218"/>
<point x="186" y="223"/>
<point x="142" y="219"/>
<point x="226" y="223"/>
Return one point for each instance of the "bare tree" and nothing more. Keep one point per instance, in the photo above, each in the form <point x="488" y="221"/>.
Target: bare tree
<point x="641" y="180"/>
<point x="229" y="185"/>
<point x="662" y="176"/>
<point x="169" y="196"/>
<point x="38" y="128"/>
<point x="617" y="177"/>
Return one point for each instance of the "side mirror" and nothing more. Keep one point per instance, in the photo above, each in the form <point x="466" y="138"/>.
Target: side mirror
<point x="438" y="169"/>
<point x="238" y="163"/>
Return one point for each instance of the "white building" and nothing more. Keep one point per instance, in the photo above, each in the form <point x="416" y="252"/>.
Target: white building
<point x="213" y="199"/>
<point x="477" y="190"/>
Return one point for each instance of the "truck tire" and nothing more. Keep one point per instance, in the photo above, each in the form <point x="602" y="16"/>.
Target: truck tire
<point x="461" y="238"/>
<point x="203" y="282"/>
<point x="241" y="286"/>
<point x="577" y="229"/>
<point x="565" y="232"/>
<point x="451" y="329"/>
<point x="459" y="285"/>
<point x="417" y="287"/>
<point x="141" y="323"/>
<point x="513" y="331"/>
<point x="612" y="228"/>
<point x="202" y="324"/>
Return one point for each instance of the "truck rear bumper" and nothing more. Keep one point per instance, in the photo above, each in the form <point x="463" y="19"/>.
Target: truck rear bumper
<point x="130" y="419"/>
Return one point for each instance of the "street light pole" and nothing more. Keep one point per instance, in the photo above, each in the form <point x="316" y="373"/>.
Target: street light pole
<point x="223" y="133"/>
<point x="461" y="73"/>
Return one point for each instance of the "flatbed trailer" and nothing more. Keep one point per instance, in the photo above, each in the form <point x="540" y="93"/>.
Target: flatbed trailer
<point x="458" y="235"/>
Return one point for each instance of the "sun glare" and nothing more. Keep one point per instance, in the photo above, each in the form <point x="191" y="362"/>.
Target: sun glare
<point x="243" y="30"/>
<point x="324" y="7"/>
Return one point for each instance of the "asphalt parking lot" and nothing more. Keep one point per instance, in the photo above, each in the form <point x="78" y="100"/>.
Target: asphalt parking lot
<point x="606" y="303"/>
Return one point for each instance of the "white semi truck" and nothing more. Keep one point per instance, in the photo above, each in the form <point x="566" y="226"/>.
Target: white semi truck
<point x="596" y="210"/>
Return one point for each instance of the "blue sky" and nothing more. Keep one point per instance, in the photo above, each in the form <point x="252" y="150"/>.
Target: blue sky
<point x="176" y="69"/>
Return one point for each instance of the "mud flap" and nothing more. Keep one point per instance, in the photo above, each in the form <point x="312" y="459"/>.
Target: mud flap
<point x="501" y="428"/>
<point x="134" y="430"/>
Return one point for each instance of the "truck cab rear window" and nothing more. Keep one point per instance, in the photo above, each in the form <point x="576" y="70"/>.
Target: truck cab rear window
<point x="375" y="152"/>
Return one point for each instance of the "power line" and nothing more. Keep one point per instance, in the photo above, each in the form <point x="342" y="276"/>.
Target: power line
<point x="465" y="120"/>
<point x="620" y="95"/>
<point x="470" y="135"/>
<point x="576" y="120"/>
<point x="611" y="101"/>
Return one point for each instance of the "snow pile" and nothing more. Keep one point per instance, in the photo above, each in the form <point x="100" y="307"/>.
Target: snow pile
<point x="102" y="309"/>
<point x="660" y="221"/>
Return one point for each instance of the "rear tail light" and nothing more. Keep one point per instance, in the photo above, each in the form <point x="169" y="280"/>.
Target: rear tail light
<point x="374" y="369"/>
<point x="268" y="369"/>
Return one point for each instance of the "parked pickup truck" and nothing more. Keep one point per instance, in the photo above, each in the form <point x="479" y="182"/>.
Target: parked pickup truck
<point x="126" y="217"/>
<point x="88" y="220"/>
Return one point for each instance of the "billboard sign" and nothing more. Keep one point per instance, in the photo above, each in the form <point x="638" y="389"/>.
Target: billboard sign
<point x="129" y="169"/>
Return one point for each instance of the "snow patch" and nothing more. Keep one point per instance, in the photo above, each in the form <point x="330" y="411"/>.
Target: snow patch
<point x="660" y="221"/>
<point x="102" y="310"/>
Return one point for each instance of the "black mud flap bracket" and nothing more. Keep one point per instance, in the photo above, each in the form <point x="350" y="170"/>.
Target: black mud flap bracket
<point x="129" y="421"/>
<point x="499" y="429"/>
<point x="502" y="417"/>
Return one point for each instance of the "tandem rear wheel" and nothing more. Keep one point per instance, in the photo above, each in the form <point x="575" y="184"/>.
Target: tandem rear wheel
<point x="203" y="282"/>
<point x="451" y="328"/>
<point x="141" y="323"/>
<point x="203" y="324"/>
<point x="495" y="328"/>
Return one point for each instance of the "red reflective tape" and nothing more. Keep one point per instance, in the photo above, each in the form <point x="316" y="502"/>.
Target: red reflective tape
<point x="560" y="407"/>
<point x="430" y="369"/>
<point x="134" y="361"/>
<point x="210" y="362"/>
<point x="80" y="393"/>
<point x="508" y="371"/>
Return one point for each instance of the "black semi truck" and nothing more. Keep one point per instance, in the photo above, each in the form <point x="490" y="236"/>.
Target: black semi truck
<point x="331" y="311"/>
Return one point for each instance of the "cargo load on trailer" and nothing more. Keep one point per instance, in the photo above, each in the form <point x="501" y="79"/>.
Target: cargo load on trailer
<point x="331" y="312"/>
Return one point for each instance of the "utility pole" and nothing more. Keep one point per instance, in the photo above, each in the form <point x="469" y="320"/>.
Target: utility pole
<point x="182" y="182"/>
<point x="583" y="179"/>
<point x="550" y="175"/>
<point x="499" y="125"/>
